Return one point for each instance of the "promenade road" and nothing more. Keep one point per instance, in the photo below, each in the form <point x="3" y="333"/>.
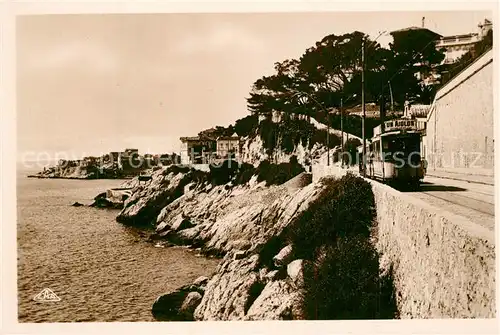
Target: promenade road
<point x="474" y="201"/>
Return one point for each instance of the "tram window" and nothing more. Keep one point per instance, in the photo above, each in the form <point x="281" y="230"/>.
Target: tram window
<point x="386" y="145"/>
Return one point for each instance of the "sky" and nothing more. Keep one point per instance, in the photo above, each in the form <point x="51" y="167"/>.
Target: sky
<point x="93" y="83"/>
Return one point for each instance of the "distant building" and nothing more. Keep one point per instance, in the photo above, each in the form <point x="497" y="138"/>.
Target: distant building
<point x="115" y="156"/>
<point x="89" y="161"/>
<point x="416" y="111"/>
<point x="197" y="149"/>
<point x="455" y="46"/>
<point x="485" y="27"/>
<point x="227" y="145"/>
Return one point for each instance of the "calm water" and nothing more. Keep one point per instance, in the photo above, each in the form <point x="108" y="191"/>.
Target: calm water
<point x="101" y="270"/>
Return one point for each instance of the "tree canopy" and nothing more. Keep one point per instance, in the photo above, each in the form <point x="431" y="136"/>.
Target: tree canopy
<point x="331" y="69"/>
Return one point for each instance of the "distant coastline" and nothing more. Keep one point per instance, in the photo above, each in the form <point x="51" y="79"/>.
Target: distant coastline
<point x="115" y="165"/>
<point x="75" y="178"/>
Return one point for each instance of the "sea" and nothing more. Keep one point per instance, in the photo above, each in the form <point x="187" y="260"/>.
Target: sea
<point x="77" y="264"/>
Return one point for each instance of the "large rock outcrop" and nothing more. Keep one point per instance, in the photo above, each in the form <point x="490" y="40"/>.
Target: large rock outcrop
<point x="239" y="218"/>
<point x="147" y="200"/>
<point x="242" y="224"/>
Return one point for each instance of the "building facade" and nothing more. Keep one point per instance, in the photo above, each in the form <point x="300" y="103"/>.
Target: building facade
<point x="459" y="135"/>
<point x="197" y="149"/>
<point x="227" y="145"/>
<point x="455" y="46"/>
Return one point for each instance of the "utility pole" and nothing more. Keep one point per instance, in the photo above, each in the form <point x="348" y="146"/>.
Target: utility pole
<point x="363" y="104"/>
<point x="392" y="98"/>
<point x="342" y="131"/>
<point x="328" y="138"/>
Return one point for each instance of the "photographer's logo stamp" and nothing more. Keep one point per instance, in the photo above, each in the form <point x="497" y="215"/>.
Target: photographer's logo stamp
<point x="47" y="295"/>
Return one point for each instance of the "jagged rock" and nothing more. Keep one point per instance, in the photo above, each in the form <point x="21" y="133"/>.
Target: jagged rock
<point x="236" y="223"/>
<point x="240" y="245"/>
<point x="189" y="304"/>
<point x="181" y="223"/>
<point x="272" y="275"/>
<point x="163" y="226"/>
<point x="263" y="273"/>
<point x="145" y="204"/>
<point x="190" y="235"/>
<point x="278" y="301"/>
<point x="106" y="203"/>
<point x="295" y="271"/>
<point x="201" y="281"/>
<point x="239" y="255"/>
<point x="283" y="257"/>
<point x="77" y="204"/>
<point x="100" y="195"/>
<point x="167" y="306"/>
<point x="180" y="304"/>
<point x="189" y="187"/>
<point x="228" y="292"/>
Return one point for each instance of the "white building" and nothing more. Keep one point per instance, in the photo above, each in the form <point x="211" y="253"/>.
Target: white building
<point x="227" y="145"/>
<point x="456" y="46"/>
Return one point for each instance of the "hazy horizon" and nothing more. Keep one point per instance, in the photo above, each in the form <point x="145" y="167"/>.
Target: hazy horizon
<point x="93" y="83"/>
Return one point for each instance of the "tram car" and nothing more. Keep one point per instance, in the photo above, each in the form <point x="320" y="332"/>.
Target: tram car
<point x="393" y="154"/>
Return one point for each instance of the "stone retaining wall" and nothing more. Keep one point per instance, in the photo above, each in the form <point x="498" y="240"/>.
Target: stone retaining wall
<point x="444" y="264"/>
<point x="460" y="136"/>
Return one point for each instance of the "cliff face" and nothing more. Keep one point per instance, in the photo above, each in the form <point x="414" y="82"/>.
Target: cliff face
<point x="254" y="152"/>
<point x="248" y="284"/>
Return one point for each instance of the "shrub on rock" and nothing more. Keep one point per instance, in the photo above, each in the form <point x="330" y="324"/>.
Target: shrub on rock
<point x="344" y="209"/>
<point x="274" y="174"/>
<point x="341" y="277"/>
<point x="345" y="283"/>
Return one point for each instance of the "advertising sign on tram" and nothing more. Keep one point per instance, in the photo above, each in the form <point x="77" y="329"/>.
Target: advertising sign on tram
<point x="401" y="124"/>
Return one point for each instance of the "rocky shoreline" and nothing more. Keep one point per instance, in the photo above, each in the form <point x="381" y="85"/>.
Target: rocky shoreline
<point x="261" y="275"/>
<point x="236" y="223"/>
<point x="74" y="178"/>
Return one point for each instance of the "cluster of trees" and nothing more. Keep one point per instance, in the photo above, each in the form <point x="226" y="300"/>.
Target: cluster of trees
<point x="331" y="70"/>
<point x="243" y="127"/>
